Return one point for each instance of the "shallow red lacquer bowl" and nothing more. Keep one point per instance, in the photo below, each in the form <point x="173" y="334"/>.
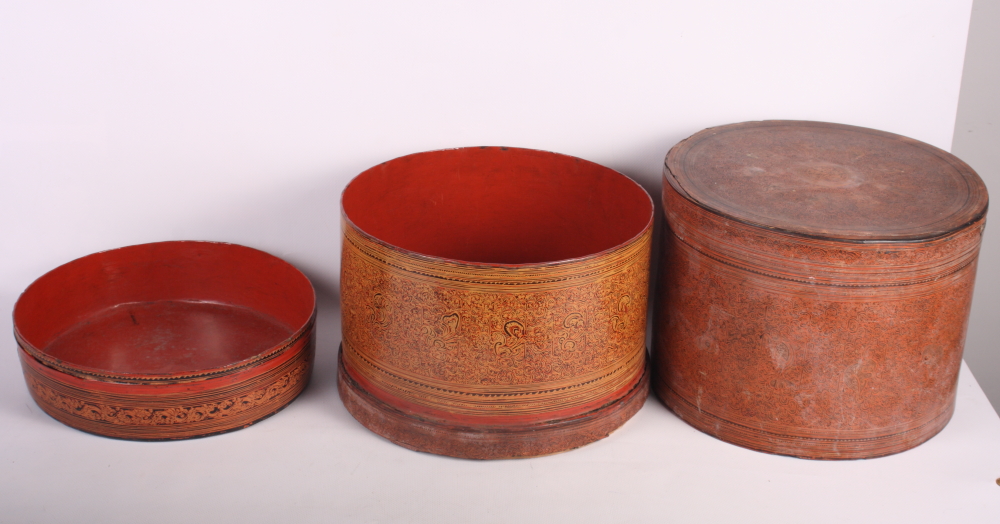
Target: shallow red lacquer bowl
<point x="169" y="340"/>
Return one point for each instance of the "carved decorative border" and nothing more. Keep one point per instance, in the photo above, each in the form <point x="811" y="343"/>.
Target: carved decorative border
<point x="526" y="277"/>
<point x="147" y="412"/>
<point x="141" y="416"/>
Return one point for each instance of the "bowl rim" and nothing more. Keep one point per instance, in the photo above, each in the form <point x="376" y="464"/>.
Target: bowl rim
<point x="498" y="265"/>
<point x="104" y="375"/>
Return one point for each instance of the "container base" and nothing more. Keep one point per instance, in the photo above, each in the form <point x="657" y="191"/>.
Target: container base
<point x="817" y="448"/>
<point x="488" y="441"/>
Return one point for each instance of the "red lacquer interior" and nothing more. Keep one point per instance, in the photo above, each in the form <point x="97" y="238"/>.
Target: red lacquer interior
<point x="164" y="308"/>
<point x="497" y="205"/>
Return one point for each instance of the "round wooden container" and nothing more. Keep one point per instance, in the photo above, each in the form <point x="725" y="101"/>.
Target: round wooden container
<point x="815" y="287"/>
<point x="494" y="301"/>
<point x="166" y="341"/>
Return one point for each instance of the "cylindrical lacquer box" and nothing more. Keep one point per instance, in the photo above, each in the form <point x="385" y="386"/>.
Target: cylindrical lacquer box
<point x="494" y="301"/>
<point x="815" y="286"/>
<point x="169" y="340"/>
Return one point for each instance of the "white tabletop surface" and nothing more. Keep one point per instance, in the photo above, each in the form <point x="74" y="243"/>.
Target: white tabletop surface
<point x="313" y="463"/>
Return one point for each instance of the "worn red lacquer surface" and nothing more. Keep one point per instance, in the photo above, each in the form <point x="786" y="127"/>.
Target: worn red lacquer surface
<point x="494" y="301"/>
<point x="169" y="340"/>
<point x="815" y="287"/>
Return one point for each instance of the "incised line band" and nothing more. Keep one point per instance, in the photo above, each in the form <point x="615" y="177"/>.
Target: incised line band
<point x="473" y="399"/>
<point x="538" y="277"/>
<point x="158" y="411"/>
<point x="819" y="435"/>
<point x="142" y="379"/>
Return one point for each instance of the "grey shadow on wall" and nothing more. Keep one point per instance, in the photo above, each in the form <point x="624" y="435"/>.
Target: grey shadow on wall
<point x="300" y="223"/>
<point x="644" y="165"/>
<point x="328" y="336"/>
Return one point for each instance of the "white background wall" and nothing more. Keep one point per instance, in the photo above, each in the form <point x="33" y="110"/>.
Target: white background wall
<point x="131" y="122"/>
<point x="124" y="123"/>
<point x="977" y="141"/>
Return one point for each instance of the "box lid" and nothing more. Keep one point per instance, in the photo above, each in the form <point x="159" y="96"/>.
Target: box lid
<point x="827" y="181"/>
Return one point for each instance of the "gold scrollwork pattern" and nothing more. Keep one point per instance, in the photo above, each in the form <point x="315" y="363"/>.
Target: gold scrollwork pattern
<point x="510" y="343"/>
<point x="495" y="340"/>
<point x="381" y="310"/>
<point x="162" y="411"/>
<point x="159" y="416"/>
<point x="574" y="337"/>
<point x="619" y="321"/>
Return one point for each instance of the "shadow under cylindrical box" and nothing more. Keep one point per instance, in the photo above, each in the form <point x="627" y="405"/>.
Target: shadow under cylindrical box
<point x="169" y="340"/>
<point x="494" y="301"/>
<point x="815" y="287"/>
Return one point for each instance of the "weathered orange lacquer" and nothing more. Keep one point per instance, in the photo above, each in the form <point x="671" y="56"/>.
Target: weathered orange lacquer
<point x="169" y="340"/>
<point x="494" y="301"/>
<point x="815" y="287"/>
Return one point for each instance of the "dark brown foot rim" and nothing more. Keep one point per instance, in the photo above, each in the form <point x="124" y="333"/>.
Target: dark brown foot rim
<point x="487" y="442"/>
<point x="796" y="446"/>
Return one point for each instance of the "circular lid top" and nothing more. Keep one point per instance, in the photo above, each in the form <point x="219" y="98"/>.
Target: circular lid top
<point x="827" y="181"/>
